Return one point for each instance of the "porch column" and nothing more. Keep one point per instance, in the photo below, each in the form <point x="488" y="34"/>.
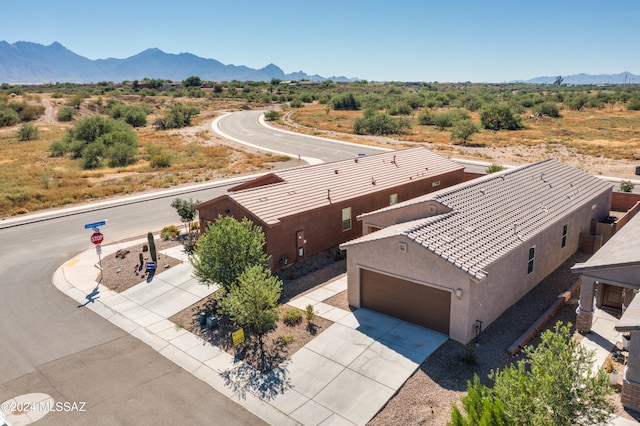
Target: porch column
<point x="586" y="308"/>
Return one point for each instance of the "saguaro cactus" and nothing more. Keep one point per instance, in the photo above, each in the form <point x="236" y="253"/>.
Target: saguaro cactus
<point x="152" y="247"/>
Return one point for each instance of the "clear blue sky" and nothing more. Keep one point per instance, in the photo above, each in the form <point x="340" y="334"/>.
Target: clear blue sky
<point x="401" y="40"/>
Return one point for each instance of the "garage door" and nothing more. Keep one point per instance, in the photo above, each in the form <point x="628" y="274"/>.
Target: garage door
<point x="419" y="304"/>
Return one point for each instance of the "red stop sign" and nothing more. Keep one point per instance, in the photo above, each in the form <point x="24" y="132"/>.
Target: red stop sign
<point x="97" y="237"/>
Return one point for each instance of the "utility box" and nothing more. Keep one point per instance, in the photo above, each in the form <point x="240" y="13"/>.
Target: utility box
<point x="638" y="170"/>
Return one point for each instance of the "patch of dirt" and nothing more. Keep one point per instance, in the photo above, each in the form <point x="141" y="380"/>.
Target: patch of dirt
<point x="122" y="270"/>
<point x="278" y="343"/>
<point x="340" y="301"/>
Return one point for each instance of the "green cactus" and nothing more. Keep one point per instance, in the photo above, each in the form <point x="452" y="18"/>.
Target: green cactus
<point x="152" y="247"/>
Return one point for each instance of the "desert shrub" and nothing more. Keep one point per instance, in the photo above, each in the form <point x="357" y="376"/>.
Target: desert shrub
<point x="285" y="340"/>
<point x="8" y="117"/>
<point x="345" y="102"/>
<point x="470" y="354"/>
<point x="547" y="108"/>
<point x="176" y="116"/>
<point x="66" y="113"/>
<point x="161" y="160"/>
<point x="134" y="115"/>
<point x="400" y="108"/>
<point x="292" y="316"/>
<point x="309" y="313"/>
<point x="296" y="103"/>
<point x="376" y="123"/>
<point x="169" y="232"/>
<point x="499" y="117"/>
<point x="494" y="168"/>
<point x="28" y="132"/>
<point x="626" y="186"/>
<point x="271" y="115"/>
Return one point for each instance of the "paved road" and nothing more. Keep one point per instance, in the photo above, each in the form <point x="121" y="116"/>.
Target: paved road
<point x="50" y="345"/>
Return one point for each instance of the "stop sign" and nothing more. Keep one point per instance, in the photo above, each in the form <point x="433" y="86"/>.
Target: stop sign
<point x="97" y="237"/>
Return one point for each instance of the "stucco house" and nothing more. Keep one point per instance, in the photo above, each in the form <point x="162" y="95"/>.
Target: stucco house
<point x="456" y="259"/>
<point x="306" y="210"/>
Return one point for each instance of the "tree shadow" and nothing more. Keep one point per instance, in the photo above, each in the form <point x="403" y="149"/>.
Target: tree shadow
<point x="266" y="386"/>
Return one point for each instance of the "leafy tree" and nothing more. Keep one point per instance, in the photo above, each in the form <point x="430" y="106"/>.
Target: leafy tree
<point x="186" y="210"/>
<point x="554" y="384"/>
<point x="577" y="102"/>
<point x="463" y="130"/>
<point x="228" y="248"/>
<point x="499" y="117"/>
<point x="480" y="406"/>
<point x="28" y="132"/>
<point x="253" y="302"/>
<point x="558" y="81"/>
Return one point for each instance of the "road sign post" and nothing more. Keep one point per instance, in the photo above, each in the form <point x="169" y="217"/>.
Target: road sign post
<point x="97" y="238"/>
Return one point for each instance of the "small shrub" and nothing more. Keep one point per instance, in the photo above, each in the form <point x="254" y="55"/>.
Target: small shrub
<point x="309" y="313"/>
<point x="195" y="226"/>
<point x="285" y="340"/>
<point x="169" y="232"/>
<point x="470" y="355"/>
<point x="162" y="160"/>
<point x="292" y="317"/>
<point x="271" y="115"/>
<point x="494" y="168"/>
<point x="179" y="324"/>
<point x="626" y="186"/>
<point x="66" y="114"/>
<point x="28" y="132"/>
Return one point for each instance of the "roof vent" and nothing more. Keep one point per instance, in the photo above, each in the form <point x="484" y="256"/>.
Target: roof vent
<point x="542" y="177"/>
<point x="394" y="160"/>
<point x="503" y="177"/>
<point x="373" y="181"/>
<point x="329" y="194"/>
<point x="336" y="171"/>
<point x="355" y="160"/>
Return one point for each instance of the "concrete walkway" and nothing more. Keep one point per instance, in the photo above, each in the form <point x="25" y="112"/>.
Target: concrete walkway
<point x="344" y="376"/>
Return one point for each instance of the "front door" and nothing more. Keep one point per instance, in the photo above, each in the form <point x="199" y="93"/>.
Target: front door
<point x="300" y="245"/>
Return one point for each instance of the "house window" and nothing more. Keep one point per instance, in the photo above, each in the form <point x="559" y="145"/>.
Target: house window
<point x="346" y="218"/>
<point x="393" y="199"/>
<point x="564" y="235"/>
<point x="532" y="255"/>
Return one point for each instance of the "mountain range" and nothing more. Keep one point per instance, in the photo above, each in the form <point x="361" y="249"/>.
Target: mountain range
<point x="32" y="63"/>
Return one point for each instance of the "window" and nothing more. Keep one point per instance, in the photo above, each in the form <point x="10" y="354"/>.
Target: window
<point x="564" y="235"/>
<point x="346" y="218"/>
<point x="393" y="199"/>
<point x="532" y="254"/>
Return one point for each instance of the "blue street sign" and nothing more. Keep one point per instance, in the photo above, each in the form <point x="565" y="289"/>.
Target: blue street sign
<point x="95" y="224"/>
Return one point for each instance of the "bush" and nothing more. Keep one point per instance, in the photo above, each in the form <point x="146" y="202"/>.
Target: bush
<point x="162" y="160"/>
<point x="169" y="232"/>
<point x="309" y="313"/>
<point x="345" y="102"/>
<point x="376" y="123"/>
<point x="28" y="132"/>
<point x="8" y="117"/>
<point x="272" y="115"/>
<point x="499" y="117"/>
<point x="547" y="108"/>
<point x="66" y="114"/>
<point x="494" y="168"/>
<point x="626" y="186"/>
<point x="292" y="317"/>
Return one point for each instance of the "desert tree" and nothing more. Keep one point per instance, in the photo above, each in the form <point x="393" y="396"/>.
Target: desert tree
<point x="186" y="210"/>
<point x="499" y="117"/>
<point x="253" y="302"/>
<point x="28" y="132"/>
<point x="228" y="248"/>
<point x="462" y="130"/>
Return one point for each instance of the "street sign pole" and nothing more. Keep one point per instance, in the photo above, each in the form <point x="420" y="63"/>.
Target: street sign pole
<point x="97" y="238"/>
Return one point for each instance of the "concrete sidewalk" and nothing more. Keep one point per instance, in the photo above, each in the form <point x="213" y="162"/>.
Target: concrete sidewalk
<point x="344" y="376"/>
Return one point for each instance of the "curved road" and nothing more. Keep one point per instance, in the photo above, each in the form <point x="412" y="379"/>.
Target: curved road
<point x="48" y="344"/>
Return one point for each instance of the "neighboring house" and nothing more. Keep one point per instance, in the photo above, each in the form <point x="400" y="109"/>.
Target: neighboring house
<point x="306" y="210"/>
<point x="610" y="278"/>
<point x="454" y="260"/>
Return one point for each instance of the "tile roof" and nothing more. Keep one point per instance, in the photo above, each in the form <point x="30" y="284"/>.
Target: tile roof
<point x="494" y="214"/>
<point x="311" y="187"/>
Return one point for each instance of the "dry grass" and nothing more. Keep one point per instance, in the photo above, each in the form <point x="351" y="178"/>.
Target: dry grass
<point x="32" y="180"/>
<point x="596" y="136"/>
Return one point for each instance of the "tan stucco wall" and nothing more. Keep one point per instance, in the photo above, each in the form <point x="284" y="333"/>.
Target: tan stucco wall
<point x="384" y="257"/>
